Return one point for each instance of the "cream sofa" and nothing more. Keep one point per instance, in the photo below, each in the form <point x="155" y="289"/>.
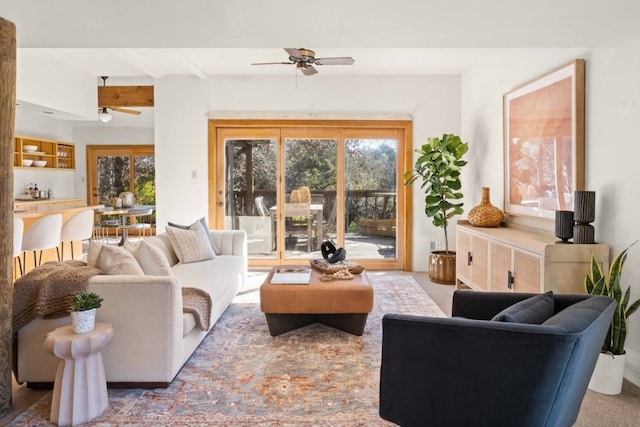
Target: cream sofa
<point x="153" y="338"/>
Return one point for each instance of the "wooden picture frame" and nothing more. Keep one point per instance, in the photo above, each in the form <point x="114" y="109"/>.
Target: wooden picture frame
<point x="544" y="143"/>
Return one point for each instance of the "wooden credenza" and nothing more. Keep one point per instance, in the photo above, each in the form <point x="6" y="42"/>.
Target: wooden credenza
<point x="514" y="259"/>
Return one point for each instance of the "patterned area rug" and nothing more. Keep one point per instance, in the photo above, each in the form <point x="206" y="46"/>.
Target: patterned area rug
<point x="242" y="376"/>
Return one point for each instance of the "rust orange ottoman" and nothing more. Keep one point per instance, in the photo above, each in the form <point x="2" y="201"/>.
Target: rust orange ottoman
<point x="341" y="304"/>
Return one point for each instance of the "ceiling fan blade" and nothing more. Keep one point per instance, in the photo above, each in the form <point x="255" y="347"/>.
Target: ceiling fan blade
<point x="272" y="63"/>
<point x="127" y="111"/>
<point x="293" y="52"/>
<point x="342" y="60"/>
<point x="308" y="70"/>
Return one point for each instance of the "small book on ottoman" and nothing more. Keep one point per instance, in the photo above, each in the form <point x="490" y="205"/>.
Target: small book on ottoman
<point x="291" y="276"/>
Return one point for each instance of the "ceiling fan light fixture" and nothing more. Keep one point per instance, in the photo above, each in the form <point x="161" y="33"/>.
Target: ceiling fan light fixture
<point x="104" y="116"/>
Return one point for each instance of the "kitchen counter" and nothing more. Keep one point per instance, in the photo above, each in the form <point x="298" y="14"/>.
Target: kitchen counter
<point x="38" y="209"/>
<point x="20" y="204"/>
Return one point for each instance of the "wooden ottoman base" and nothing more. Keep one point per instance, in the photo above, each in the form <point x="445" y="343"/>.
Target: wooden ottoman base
<point x="281" y="323"/>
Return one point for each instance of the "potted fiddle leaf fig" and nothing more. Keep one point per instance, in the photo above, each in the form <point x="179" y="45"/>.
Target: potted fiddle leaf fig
<point x="608" y="374"/>
<point x="438" y="168"/>
<point x="83" y="311"/>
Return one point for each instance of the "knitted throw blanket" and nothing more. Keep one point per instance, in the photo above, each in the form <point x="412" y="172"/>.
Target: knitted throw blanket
<point x="197" y="302"/>
<point x="47" y="290"/>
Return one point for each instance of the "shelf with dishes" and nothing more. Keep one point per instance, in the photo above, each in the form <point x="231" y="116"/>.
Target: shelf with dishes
<point x="41" y="153"/>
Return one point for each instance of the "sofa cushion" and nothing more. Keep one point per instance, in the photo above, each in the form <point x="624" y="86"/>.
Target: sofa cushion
<point x="191" y="245"/>
<point x="206" y="227"/>
<point x="163" y="242"/>
<point x="534" y="310"/>
<point x="152" y="261"/>
<point x="117" y="260"/>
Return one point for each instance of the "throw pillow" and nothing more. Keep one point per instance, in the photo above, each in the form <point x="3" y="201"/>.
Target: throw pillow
<point x="191" y="245"/>
<point x="152" y="261"/>
<point x="534" y="310"/>
<point x="117" y="260"/>
<point x="206" y="227"/>
<point x="93" y="251"/>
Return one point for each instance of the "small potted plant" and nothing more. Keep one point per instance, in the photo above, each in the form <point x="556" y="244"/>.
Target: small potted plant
<point x="609" y="372"/>
<point x="438" y="166"/>
<point x="83" y="311"/>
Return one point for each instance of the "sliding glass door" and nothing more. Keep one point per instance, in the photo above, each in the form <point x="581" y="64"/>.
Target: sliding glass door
<point x="293" y="187"/>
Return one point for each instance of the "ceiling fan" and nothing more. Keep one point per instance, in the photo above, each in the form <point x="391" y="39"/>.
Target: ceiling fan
<point x="305" y="60"/>
<point x="104" y="115"/>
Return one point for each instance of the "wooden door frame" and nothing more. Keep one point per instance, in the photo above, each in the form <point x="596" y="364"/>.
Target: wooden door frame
<point x="405" y="128"/>
<point x="130" y="150"/>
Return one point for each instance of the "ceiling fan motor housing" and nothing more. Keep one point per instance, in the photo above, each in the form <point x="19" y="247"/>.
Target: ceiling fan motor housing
<point x="306" y="56"/>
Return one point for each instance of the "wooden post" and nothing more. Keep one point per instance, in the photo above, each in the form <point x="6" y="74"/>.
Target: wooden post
<point x="7" y="123"/>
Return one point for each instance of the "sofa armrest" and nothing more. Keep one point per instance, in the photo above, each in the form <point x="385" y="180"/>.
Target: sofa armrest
<point x="146" y="315"/>
<point x="456" y="371"/>
<point x="230" y="242"/>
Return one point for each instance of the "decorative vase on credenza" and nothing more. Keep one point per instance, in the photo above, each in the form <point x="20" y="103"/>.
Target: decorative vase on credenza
<point x="564" y="226"/>
<point x="485" y="214"/>
<point x="584" y="213"/>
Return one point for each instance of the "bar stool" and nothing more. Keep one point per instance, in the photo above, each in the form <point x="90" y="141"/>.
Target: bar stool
<point x="18" y="231"/>
<point x="43" y="234"/>
<point x="78" y="227"/>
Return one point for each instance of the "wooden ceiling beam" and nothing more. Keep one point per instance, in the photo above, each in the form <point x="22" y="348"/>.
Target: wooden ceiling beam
<point x="125" y="96"/>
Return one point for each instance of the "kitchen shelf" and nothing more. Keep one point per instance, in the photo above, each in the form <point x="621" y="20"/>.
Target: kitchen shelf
<point x="59" y="155"/>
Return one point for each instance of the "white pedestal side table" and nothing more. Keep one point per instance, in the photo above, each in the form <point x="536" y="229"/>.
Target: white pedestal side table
<point x="80" y="389"/>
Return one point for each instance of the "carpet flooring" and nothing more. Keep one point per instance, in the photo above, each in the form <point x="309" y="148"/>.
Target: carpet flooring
<point x="241" y="376"/>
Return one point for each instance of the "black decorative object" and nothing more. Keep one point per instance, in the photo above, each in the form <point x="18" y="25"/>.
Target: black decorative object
<point x="331" y="254"/>
<point x="564" y="226"/>
<point x="584" y="204"/>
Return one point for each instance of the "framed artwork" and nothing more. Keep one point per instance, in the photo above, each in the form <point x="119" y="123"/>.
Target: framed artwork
<point x="544" y="143"/>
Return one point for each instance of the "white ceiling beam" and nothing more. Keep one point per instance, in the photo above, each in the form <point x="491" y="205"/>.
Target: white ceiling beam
<point x="138" y="61"/>
<point x="192" y="63"/>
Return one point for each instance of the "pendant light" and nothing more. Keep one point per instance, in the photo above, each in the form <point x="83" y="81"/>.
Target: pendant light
<point x="104" y="116"/>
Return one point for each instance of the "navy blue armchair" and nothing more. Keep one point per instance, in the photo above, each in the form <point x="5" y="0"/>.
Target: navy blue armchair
<point x="468" y="370"/>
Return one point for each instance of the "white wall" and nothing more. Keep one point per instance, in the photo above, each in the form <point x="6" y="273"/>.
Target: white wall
<point x="47" y="82"/>
<point x="612" y="145"/>
<point x="182" y="104"/>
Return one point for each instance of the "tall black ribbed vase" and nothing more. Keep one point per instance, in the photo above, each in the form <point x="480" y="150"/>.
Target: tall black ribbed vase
<point x="564" y="226"/>
<point x="584" y="204"/>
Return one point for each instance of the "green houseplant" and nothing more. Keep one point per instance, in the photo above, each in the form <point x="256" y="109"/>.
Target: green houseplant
<point x="607" y="377"/>
<point x="83" y="301"/>
<point x="83" y="311"/>
<point x="438" y="167"/>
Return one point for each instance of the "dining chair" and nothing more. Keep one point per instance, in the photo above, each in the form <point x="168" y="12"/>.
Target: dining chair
<point x="298" y="221"/>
